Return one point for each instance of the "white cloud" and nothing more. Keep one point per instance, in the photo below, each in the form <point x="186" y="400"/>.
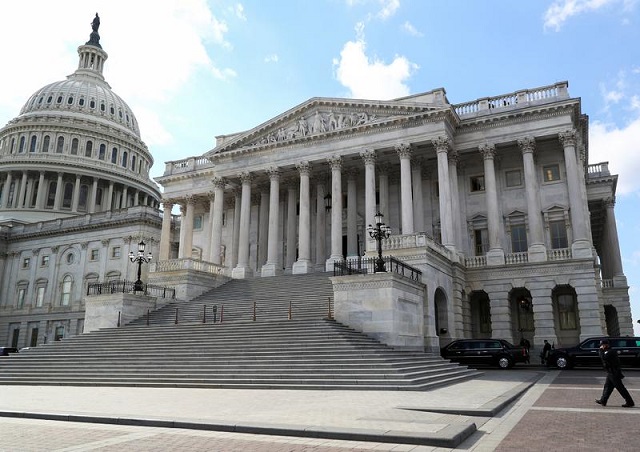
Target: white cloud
<point x="389" y="8"/>
<point x="560" y="11"/>
<point x="409" y="28"/>
<point x="634" y="103"/>
<point x="238" y="10"/>
<point x="371" y="78"/>
<point x="620" y="147"/>
<point x="273" y="58"/>
<point x="223" y="74"/>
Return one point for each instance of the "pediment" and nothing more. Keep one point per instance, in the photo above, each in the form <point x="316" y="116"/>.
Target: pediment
<point x="321" y="118"/>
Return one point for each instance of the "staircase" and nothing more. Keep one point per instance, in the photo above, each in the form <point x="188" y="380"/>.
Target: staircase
<point x="307" y="352"/>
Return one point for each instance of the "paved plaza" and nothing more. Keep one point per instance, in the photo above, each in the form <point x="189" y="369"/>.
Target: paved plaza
<point x="524" y="409"/>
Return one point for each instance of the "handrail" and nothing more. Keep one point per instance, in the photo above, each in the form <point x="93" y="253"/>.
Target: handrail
<point x="367" y="265"/>
<point x="117" y="286"/>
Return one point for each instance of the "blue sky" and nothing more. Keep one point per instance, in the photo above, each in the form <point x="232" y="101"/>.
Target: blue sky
<point x="194" y="69"/>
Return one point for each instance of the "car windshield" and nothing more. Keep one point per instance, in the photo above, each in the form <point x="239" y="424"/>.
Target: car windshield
<point x="507" y="343"/>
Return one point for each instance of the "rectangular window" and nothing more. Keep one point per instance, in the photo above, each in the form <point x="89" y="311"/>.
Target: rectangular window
<point x="481" y="241"/>
<point x="197" y="222"/>
<point x="21" y="294"/>
<point x="518" y="238"/>
<point x="40" y="297"/>
<point x="558" y="231"/>
<point x="477" y="183"/>
<point x="551" y="173"/>
<point x="95" y="255"/>
<point x="514" y="178"/>
<point x="567" y="312"/>
<point x="115" y="252"/>
<point x="44" y="261"/>
<point x="25" y="262"/>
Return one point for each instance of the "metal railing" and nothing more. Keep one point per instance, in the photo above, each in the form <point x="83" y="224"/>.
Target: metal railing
<point x="109" y="287"/>
<point x="367" y="265"/>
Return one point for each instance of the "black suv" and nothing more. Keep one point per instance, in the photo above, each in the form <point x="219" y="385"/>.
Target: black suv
<point x="485" y="352"/>
<point x="586" y="353"/>
<point x="4" y="351"/>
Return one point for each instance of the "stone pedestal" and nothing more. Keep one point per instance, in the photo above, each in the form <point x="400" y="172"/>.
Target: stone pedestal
<point x="385" y="306"/>
<point x="104" y="311"/>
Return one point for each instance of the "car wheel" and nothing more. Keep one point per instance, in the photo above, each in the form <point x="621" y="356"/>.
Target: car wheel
<point x="562" y="363"/>
<point x="504" y="362"/>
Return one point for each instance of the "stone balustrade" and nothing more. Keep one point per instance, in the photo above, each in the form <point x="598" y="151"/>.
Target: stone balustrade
<point x="187" y="165"/>
<point x="559" y="254"/>
<point x="186" y="264"/>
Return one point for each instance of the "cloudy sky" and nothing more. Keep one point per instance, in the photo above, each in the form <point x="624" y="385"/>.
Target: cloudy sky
<point x="194" y="69"/>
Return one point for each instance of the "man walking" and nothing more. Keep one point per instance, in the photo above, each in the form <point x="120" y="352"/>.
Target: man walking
<point x="611" y="364"/>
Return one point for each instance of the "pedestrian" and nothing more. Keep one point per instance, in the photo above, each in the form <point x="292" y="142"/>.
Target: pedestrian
<point x="544" y="354"/>
<point x="611" y="364"/>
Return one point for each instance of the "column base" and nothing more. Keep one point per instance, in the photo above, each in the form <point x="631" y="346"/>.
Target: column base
<point x="581" y="249"/>
<point x="537" y="253"/>
<point x="495" y="257"/>
<point x="241" y="273"/>
<point x="270" y="270"/>
<point x="301" y="267"/>
<point x="331" y="261"/>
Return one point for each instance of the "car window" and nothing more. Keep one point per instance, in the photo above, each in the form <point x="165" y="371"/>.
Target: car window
<point x="457" y="346"/>
<point x="477" y="345"/>
<point x="620" y="343"/>
<point x="591" y="343"/>
<point x="493" y="344"/>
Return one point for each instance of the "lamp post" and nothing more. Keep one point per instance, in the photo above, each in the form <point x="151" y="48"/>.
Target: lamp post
<point x="378" y="232"/>
<point x="140" y="258"/>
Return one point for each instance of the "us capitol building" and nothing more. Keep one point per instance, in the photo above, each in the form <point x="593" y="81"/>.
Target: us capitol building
<point x="492" y="199"/>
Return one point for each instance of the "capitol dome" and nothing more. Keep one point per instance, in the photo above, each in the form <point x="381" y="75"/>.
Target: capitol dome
<point x="74" y="148"/>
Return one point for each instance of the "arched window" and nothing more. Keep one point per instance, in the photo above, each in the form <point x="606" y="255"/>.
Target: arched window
<point x="74" y="146"/>
<point x="70" y="100"/>
<point x="51" y="196"/>
<point x="98" y="201"/>
<point x="133" y="162"/>
<point x="21" y="148"/>
<point x="88" y="149"/>
<point x="84" y="194"/>
<point x="65" y="295"/>
<point x="45" y="143"/>
<point x="81" y="101"/>
<point x="92" y="104"/>
<point x="124" y="159"/>
<point x="102" y="106"/>
<point x="103" y="151"/>
<point x="60" y="145"/>
<point x="114" y="155"/>
<point x="34" y="194"/>
<point x="13" y="145"/>
<point x="68" y="195"/>
<point x="32" y="145"/>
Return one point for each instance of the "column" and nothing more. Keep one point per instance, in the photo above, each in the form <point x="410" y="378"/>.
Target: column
<point x="581" y="247"/>
<point x="186" y="246"/>
<point x="335" y="163"/>
<point x="303" y="264"/>
<point x="418" y="203"/>
<point x="242" y="270"/>
<point x="536" y="248"/>
<point x="452" y="158"/>
<point x="273" y="266"/>
<point x="383" y="181"/>
<point x="109" y="196"/>
<point x="613" y="245"/>
<point x="183" y="229"/>
<point x="23" y="187"/>
<point x="6" y="191"/>
<point x="59" y="190"/>
<point x="352" y="214"/>
<point x="495" y="255"/>
<point x="206" y="248"/>
<point x="76" y="194"/>
<point x="94" y="196"/>
<point x="263" y="225"/>
<point x="369" y="157"/>
<point x="165" y="234"/>
<point x="236" y="227"/>
<point x="321" y="216"/>
<point x="216" y="226"/>
<point x="447" y="236"/>
<point x="41" y="192"/>
<point x="31" y="182"/>
<point x="292" y="199"/>
<point x="404" y="152"/>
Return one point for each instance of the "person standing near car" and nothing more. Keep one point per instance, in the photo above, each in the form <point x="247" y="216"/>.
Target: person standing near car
<point x="611" y="364"/>
<point x="544" y="354"/>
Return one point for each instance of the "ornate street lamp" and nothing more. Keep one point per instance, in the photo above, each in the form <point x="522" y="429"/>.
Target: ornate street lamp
<point x="140" y="258"/>
<point x="378" y="232"/>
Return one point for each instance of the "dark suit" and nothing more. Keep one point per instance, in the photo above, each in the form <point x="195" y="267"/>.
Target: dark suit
<point x="611" y="364"/>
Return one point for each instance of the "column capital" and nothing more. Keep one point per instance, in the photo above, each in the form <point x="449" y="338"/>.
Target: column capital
<point x="246" y="177"/>
<point x="453" y="157"/>
<point x="274" y="173"/>
<point x="369" y="156"/>
<point x="441" y="143"/>
<point x="527" y="145"/>
<point x="168" y="203"/>
<point x="404" y="150"/>
<point x="487" y="150"/>
<point x="335" y="162"/>
<point x="568" y="137"/>
<point x="351" y="173"/>
<point x="190" y="200"/>
<point x="218" y="182"/>
<point x="304" y="168"/>
<point x="416" y="162"/>
<point x="211" y="195"/>
<point x="609" y="202"/>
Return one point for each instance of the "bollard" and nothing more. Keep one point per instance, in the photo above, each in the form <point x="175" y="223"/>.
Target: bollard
<point x="148" y="311"/>
<point x="221" y="312"/>
<point x="289" y="309"/>
<point x="118" y="319"/>
<point x="176" y="316"/>
<point x="329" y="308"/>
<point x="215" y="313"/>
<point x="204" y="314"/>
<point x="254" y="311"/>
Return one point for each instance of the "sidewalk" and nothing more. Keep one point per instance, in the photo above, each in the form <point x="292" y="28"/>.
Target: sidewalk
<point x="443" y="417"/>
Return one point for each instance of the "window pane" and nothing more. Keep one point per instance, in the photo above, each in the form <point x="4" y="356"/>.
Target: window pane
<point x="558" y="232"/>
<point x="518" y="238"/>
<point x="514" y="178"/>
<point x="477" y="183"/>
<point x="551" y="173"/>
